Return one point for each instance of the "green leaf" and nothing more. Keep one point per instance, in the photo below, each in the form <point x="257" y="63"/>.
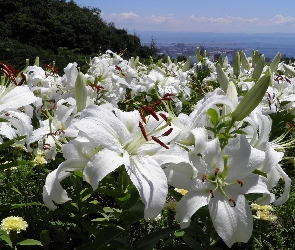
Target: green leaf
<point x="10" y="142"/>
<point x="105" y="237"/>
<point x="192" y="243"/>
<point x="5" y="236"/>
<point x="90" y="227"/>
<point x="133" y="214"/>
<point x="214" y="117"/>
<point x="14" y="206"/>
<point x="149" y="241"/>
<point x="30" y="242"/>
<point x="111" y="193"/>
<point x="179" y="247"/>
<point x="14" y="164"/>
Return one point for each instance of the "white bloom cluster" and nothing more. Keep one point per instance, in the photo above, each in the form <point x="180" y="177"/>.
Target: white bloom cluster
<point x="217" y="153"/>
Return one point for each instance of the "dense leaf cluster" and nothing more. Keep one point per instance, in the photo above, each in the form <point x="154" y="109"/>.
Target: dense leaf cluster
<point x="60" y="31"/>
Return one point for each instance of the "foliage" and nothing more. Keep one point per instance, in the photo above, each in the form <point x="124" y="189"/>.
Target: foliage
<point x="59" y="31"/>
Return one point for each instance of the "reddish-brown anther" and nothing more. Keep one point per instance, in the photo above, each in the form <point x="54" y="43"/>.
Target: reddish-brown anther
<point x="203" y="177"/>
<point x="157" y="103"/>
<point x="142" y="115"/>
<point x="240" y="182"/>
<point x="143" y="131"/>
<point x="12" y="73"/>
<point x="166" y="99"/>
<point x="234" y="203"/>
<point x="167" y="95"/>
<point x="160" y="142"/>
<point x="163" y="116"/>
<point x="152" y="112"/>
<point x="212" y="193"/>
<point x="168" y="132"/>
<point x="216" y="171"/>
<point x="118" y="68"/>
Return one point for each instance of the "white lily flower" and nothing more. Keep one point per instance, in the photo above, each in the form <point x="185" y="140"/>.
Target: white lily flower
<point x="122" y="139"/>
<point x="222" y="180"/>
<point x="14" y="97"/>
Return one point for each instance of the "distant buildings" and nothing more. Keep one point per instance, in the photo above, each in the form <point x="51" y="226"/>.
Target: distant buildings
<point x="189" y="49"/>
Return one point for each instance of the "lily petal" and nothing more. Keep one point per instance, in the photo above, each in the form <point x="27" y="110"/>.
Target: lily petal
<point x="188" y="205"/>
<point x="100" y="165"/>
<point x="233" y="224"/>
<point x="151" y="183"/>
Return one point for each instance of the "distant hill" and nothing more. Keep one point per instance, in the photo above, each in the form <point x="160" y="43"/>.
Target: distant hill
<point x="60" y="31"/>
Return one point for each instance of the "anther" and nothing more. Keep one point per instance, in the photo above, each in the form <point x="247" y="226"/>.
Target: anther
<point x="168" y="132"/>
<point x="141" y="112"/>
<point x="240" y="182"/>
<point x="166" y="99"/>
<point x="216" y="171"/>
<point x="163" y="116"/>
<point x="203" y="177"/>
<point x="152" y="112"/>
<point x="234" y="203"/>
<point x="143" y="131"/>
<point x="167" y="95"/>
<point x="160" y="142"/>
<point x="212" y="193"/>
<point x="157" y="103"/>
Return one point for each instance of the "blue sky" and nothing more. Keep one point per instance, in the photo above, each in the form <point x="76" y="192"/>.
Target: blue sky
<point x="250" y="16"/>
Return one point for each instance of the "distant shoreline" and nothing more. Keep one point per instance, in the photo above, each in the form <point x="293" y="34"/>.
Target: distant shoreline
<point x="267" y="43"/>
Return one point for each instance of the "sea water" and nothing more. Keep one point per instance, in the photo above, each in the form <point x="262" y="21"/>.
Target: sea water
<point x="266" y="43"/>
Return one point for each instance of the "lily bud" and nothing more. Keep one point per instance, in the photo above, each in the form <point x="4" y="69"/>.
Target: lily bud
<point x="237" y="63"/>
<point x="258" y="68"/>
<point x="275" y="62"/>
<point x="37" y="61"/>
<point x="222" y="78"/>
<point x="45" y="239"/>
<point x="289" y="70"/>
<point x="198" y="55"/>
<point x="80" y="92"/>
<point x="187" y="64"/>
<point x="244" y="61"/>
<point x="252" y="98"/>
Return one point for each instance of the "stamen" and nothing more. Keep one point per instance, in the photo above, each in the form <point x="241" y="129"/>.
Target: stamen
<point x="157" y="103"/>
<point x="160" y="142"/>
<point x="143" y="131"/>
<point x="168" y="132"/>
<point x="240" y="182"/>
<point x="118" y="68"/>
<point x="212" y="193"/>
<point x="163" y="116"/>
<point x="141" y="112"/>
<point x="203" y="177"/>
<point x="234" y="203"/>
<point x="166" y="99"/>
<point x="167" y="95"/>
<point x="152" y="112"/>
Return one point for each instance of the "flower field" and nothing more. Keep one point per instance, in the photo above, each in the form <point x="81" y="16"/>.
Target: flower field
<point x="164" y="155"/>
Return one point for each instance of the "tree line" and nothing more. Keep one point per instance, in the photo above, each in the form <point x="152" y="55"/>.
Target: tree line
<point x="60" y="31"/>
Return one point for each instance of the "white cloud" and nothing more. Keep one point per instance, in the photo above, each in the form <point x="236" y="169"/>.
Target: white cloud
<point x="198" y="23"/>
<point x="279" y="19"/>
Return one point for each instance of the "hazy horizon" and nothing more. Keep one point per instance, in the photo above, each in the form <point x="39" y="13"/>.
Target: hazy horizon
<point x="264" y="16"/>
